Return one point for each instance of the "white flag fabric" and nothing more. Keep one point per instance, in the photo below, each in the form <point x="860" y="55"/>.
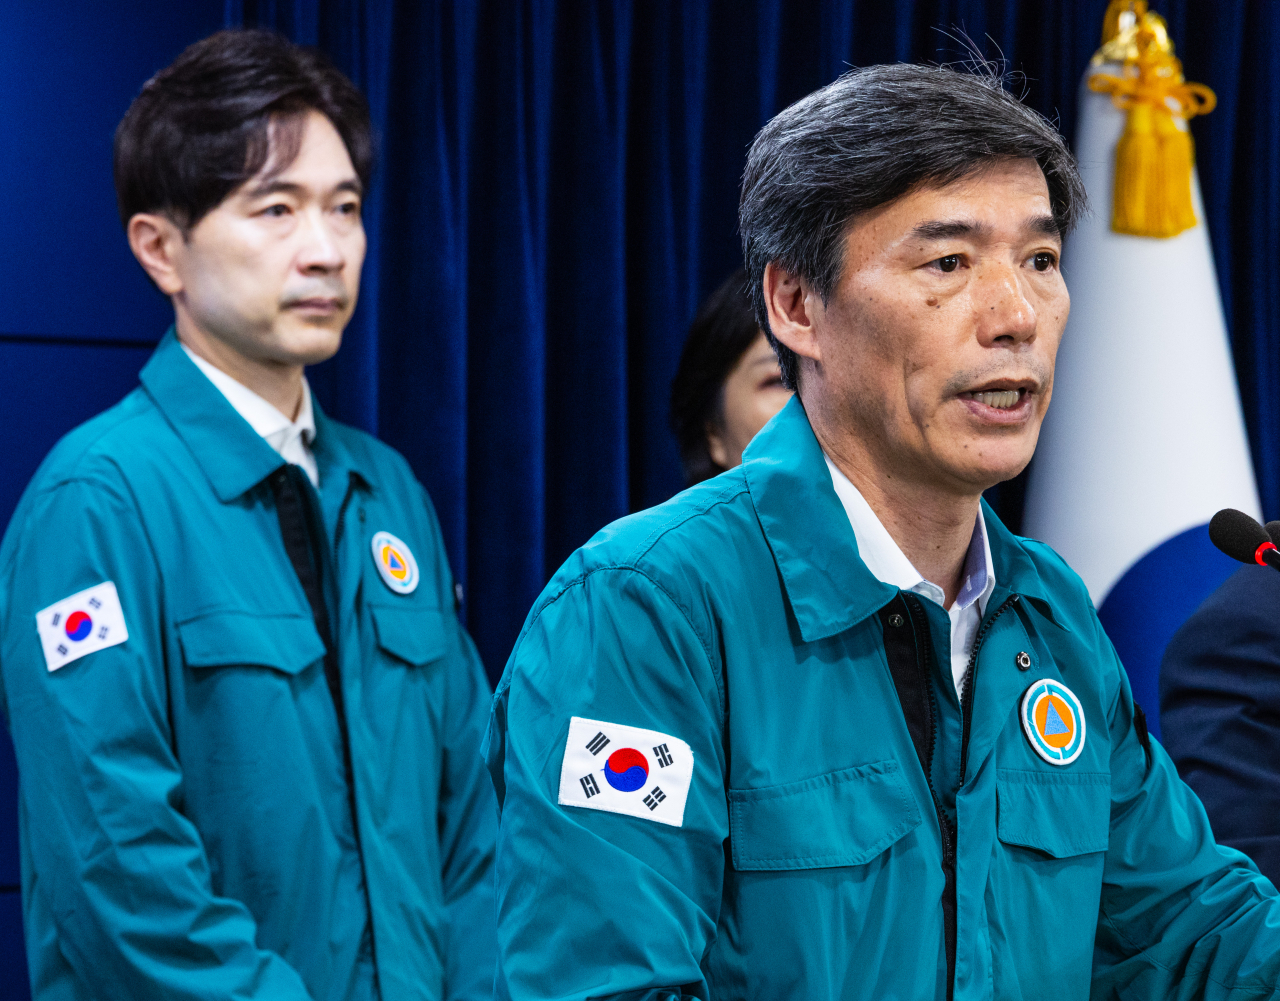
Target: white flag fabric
<point x="1145" y="437"/>
<point x="88" y="621"/>
<point x="626" y="769"/>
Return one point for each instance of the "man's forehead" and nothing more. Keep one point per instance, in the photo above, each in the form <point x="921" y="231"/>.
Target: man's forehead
<point x="1004" y="196"/>
<point x="298" y="144"/>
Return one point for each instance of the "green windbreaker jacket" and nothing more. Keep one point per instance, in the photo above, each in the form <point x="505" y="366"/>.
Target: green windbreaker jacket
<point x="846" y="827"/>
<point x="186" y="817"/>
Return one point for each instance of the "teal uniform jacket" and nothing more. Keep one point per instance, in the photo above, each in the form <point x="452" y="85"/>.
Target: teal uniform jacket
<point x="186" y="826"/>
<point x="849" y="830"/>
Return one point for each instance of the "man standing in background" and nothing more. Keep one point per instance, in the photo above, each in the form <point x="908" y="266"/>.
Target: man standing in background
<point x="246" y="716"/>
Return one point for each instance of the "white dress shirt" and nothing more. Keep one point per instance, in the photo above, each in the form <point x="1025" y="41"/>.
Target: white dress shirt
<point x="888" y="563"/>
<point x="292" y="439"/>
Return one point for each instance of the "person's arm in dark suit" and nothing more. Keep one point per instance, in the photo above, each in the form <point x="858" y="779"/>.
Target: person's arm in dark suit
<point x="1220" y="712"/>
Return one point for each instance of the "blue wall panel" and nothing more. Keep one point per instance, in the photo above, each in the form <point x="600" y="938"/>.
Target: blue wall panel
<point x="13" y="961"/>
<point x="68" y="71"/>
<point x="10" y="869"/>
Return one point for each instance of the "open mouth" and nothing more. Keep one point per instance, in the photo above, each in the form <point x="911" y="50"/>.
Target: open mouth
<point x="1006" y="402"/>
<point x="999" y="399"/>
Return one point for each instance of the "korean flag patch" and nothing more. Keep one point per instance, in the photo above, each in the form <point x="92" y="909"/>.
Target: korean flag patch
<point x="624" y="769"/>
<point x="82" y="624"/>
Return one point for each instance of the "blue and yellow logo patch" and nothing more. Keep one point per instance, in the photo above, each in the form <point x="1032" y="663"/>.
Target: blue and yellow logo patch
<point x="396" y="565"/>
<point x="1053" y="721"/>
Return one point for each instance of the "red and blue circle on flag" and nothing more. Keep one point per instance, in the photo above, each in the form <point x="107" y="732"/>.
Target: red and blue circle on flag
<point x="79" y="625"/>
<point x="626" y="770"/>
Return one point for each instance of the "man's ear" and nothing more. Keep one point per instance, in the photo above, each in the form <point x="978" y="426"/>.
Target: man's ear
<point x="156" y="240"/>
<point x="716" y="447"/>
<point x="791" y="306"/>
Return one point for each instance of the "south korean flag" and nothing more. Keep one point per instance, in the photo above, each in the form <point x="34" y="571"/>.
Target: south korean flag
<point x="88" y="621"/>
<point x="624" y="769"/>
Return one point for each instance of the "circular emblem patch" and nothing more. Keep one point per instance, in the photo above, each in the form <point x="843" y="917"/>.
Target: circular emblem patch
<point x="396" y="565"/>
<point x="1053" y="721"/>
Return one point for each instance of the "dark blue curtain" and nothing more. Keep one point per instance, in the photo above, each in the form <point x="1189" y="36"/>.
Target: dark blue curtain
<point x="556" y="192"/>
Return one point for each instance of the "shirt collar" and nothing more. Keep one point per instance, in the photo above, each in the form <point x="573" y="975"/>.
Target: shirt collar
<point x="228" y="450"/>
<point x="889" y="563"/>
<point x="829" y="587"/>
<point x="263" y="417"/>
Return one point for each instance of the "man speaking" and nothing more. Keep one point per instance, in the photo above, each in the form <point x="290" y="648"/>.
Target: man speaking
<point x="821" y="727"/>
<point x="247" y="720"/>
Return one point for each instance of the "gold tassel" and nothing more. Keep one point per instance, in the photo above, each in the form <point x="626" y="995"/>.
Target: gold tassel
<point x="1155" y="154"/>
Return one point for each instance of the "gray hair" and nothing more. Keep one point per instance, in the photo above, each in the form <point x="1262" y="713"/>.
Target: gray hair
<point x="870" y="137"/>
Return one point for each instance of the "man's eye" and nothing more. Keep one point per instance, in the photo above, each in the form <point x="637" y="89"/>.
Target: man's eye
<point x="276" y="210"/>
<point x="948" y="263"/>
<point x="1044" y="260"/>
<point x="349" y="208"/>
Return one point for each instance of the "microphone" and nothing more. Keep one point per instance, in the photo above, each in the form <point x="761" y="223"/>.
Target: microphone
<point x="1243" y="539"/>
<point x="1273" y="530"/>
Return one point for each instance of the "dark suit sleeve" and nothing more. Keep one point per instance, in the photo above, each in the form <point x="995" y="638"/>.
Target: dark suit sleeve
<point x="1220" y="712"/>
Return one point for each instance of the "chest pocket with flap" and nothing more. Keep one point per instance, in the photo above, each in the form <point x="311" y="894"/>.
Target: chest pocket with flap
<point x="286" y="643"/>
<point x="415" y="636"/>
<point x="1060" y="813"/>
<point x="847" y="817"/>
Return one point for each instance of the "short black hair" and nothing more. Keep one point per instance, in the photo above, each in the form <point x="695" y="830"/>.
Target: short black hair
<point x="205" y="124"/>
<point x="868" y="138"/>
<point x="719" y="336"/>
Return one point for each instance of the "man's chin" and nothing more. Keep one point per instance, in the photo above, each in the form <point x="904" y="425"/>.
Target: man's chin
<point x="308" y="343"/>
<point x="989" y="475"/>
<point x="992" y="466"/>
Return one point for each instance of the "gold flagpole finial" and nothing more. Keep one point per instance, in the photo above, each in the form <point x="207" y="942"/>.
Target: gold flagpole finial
<point x="1155" y="155"/>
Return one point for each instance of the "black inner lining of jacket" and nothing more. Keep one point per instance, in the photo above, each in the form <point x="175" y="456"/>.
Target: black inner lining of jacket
<point x="909" y="651"/>
<point x="302" y="529"/>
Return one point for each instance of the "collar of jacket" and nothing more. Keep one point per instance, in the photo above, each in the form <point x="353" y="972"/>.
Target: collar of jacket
<point x="233" y="457"/>
<point x="829" y="587"/>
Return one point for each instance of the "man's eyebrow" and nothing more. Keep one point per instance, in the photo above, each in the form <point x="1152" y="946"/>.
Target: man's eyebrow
<point x="948" y="229"/>
<point x="1045" y="225"/>
<point x="276" y="187"/>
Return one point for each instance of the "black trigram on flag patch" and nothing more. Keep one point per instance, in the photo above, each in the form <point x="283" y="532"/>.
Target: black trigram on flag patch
<point x="655" y="797"/>
<point x="589" y="785"/>
<point x="597" y="743"/>
<point x="663" y="755"/>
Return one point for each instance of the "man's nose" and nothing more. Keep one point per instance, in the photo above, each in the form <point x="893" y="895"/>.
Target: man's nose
<point x="1005" y="314"/>
<point x="321" y="252"/>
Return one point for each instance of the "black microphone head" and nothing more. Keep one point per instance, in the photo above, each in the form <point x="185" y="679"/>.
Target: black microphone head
<point x="1236" y="534"/>
<point x="1273" y="530"/>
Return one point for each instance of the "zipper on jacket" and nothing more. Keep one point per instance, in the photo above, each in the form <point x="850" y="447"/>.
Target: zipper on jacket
<point x="302" y="529"/>
<point x="921" y="624"/>
<point x="967" y="687"/>
<point x="352" y="481"/>
<point x="923" y="655"/>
